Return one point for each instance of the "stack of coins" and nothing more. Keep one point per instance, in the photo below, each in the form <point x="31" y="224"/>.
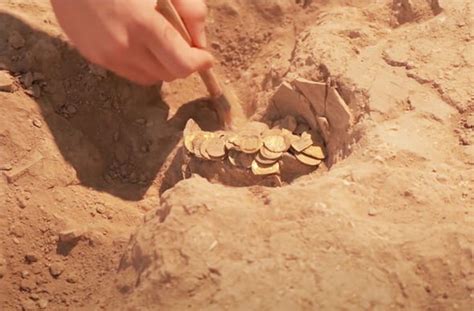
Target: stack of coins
<point x="256" y="147"/>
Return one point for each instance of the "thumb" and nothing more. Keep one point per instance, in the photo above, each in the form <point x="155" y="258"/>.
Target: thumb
<point x="193" y="13"/>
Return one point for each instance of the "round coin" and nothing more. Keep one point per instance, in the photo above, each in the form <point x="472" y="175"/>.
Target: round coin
<point x="197" y="142"/>
<point x="188" y="142"/>
<point x="307" y="160"/>
<point x="216" y="147"/>
<point x="203" y="149"/>
<point x="232" y="156"/>
<point x="264" y="161"/>
<point x="314" y="152"/>
<point x="249" y="144"/>
<point x="269" y="154"/>
<point x="276" y="143"/>
<point x="259" y="169"/>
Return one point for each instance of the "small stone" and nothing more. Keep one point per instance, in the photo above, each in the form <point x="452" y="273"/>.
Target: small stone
<point x="31" y="258"/>
<point x="56" y="269"/>
<point x="16" y="40"/>
<point x="37" y="123"/>
<point x="6" y="167"/>
<point x="72" y="279"/>
<point x="36" y="89"/>
<point x="27" y="285"/>
<point x="25" y="274"/>
<point x="68" y="236"/>
<point x="100" y="209"/>
<point x="71" y="109"/>
<point x="42" y="304"/>
<point x="372" y="212"/>
<point x="34" y="297"/>
<point x="27" y="80"/>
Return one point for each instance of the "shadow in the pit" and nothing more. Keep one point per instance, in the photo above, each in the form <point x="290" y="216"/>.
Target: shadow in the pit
<point x="116" y="135"/>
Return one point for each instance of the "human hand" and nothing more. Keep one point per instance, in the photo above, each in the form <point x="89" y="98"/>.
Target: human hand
<point x="133" y="40"/>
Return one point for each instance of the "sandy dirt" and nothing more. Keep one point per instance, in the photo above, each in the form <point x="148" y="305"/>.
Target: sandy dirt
<point x="95" y="215"/>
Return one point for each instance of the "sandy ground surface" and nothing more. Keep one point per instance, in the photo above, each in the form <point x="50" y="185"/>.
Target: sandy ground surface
<point x="86" y="160"/>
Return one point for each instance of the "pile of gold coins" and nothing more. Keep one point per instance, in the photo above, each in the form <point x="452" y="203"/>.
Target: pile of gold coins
<point x="257" y="147"/>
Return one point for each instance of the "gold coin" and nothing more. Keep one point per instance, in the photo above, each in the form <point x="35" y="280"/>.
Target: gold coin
<point x="197" y="142"/>
<point x="314" y="152"/>
<point x="259" y="169"/>
<point x="264" y="161"/>
<point x="232" y="156"/>
<point x="231" y="142"/>
<point x="249" y="144"/>
<point x="188" y="142"/>
<point x="307" y="160"/>
<point x="276" y="143"/>
<point x="203" y="149"/>
<point x="267" y="154"/>
<point x="191" y="128"/>
<point x="216" y="147"/>
<point x="302" y="143"/>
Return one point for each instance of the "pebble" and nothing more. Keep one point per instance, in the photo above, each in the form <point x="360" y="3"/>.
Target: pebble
<point x="71" y="109"/>
<point x="56" y="269"/>
<point x="100" y="209"/>
<point x="34" y="297"/>
<point x="31" y="258"/>
<point x="72" y="279"/>
<point x="372" y="212"/>
<point x="16" y="40"/>
<point x="72" y="235"/>
<point x="37" y="123"/>
<point x="25" y="274"/>
<point x="27" y="80"/>
<point x="42" y="304"/>
<point x="27" y="285"/>
<point x="6" y="167"/>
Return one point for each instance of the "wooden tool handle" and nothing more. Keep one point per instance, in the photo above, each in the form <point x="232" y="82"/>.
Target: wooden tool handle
<point x="166" y="8"/>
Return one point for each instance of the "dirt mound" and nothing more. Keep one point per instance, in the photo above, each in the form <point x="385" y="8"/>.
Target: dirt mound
<point x="85" y="156"/>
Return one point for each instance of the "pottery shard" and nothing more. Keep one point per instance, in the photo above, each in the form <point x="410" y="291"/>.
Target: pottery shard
<point x="337" y="112"/>
<point x="315" y="92"/>
<point x="290" y="102"/>
<point x="7" y="84"/>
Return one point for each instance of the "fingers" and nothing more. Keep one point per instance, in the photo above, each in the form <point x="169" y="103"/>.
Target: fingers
<point x="193" y="13"/>
<point x="167" y="45"/>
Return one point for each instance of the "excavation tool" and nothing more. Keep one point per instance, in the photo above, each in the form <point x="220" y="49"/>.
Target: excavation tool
<point x="225" y="103"/>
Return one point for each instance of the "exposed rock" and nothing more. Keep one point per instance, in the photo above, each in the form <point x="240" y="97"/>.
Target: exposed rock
<point x="7" y="83"/>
